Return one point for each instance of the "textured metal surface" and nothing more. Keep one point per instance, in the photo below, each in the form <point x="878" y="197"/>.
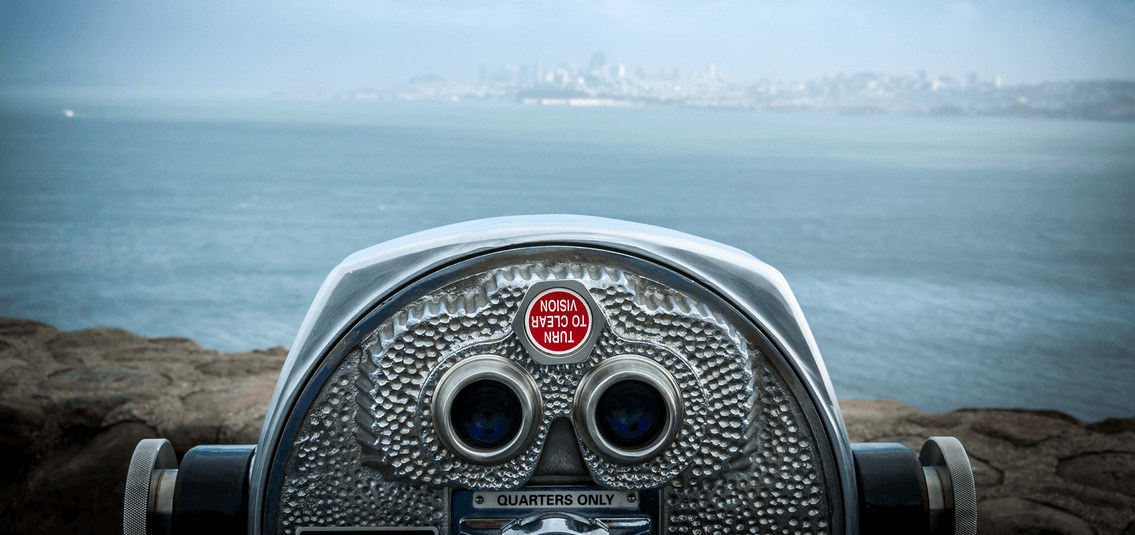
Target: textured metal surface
<point x="418" y="346"/>
<point x="745" y="445"/>
<point x="369" y="277"/>
<point x="149" y="455"/>
<point x="948" y="452"/>
<point x="326" y="485"/>
<point x="776" y="488"/>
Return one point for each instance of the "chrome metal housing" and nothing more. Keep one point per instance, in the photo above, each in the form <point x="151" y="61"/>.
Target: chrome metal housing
<point x="492" y="368"/>
<point x="607" y="374"/>
<point x="364" y="281"/>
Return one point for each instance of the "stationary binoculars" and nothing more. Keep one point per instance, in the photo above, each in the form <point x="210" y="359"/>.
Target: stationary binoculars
<point x="554" y="375"/>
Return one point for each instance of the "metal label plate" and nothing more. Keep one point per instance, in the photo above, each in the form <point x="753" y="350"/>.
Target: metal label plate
<point x="556" y="499"/>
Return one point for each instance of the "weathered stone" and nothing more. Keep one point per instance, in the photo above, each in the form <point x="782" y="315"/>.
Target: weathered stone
<point x="984" y="474"/>
<point x="22" y="328"/>
<point x="1113" y="425"/>
<point x="1108" y="471"/>
<point x="8" y="364"/>
<point x="1024" y="429"/>
<point x="80" y="401"/>
<point x="946" y="420"/>
<point x="84" y="484"/>
<point x="22" y="421"/>
<point x="1014" y="516"/>
<point x="89" y="411"/>
<point x="234" y="367"/>
<point x="103" y="377"/>
<point x="871" y="420"/>
<point x="20" y="417"/>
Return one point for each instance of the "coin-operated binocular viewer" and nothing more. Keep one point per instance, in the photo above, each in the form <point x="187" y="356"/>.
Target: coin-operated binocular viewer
<point x="556" y="375"/>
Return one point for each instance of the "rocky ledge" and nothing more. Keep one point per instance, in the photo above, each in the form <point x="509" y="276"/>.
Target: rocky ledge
<point x="74" y="404"/>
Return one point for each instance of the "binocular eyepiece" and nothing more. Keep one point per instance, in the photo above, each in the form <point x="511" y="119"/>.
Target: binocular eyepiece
<point x="556" y="375"/>
<point x="486" y="409"/>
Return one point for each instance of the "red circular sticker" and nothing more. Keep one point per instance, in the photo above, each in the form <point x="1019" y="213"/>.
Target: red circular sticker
<point x="557" y="321"/>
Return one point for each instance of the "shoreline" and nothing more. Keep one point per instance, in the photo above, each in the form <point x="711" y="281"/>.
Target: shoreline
<point x="74" y="404"/>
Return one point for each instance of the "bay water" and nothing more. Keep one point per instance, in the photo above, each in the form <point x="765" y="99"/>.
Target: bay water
<point x="945" y="262"/>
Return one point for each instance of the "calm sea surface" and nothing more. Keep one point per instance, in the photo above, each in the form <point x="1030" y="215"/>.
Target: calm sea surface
<point x="945" y="262"/>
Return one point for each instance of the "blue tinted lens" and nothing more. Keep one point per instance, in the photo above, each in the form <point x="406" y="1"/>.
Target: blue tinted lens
<point x="486" y="414"/>
<point x="631" y="414"/>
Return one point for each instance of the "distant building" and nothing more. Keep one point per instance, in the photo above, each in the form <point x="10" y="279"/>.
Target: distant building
<point x="598" y="61"/>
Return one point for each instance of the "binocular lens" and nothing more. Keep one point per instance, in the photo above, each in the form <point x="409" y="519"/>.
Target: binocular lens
<point x="627" y="409"/>
<point x="486" y="414"/>
<point x="631" y="414"/>
<point x="485" y="409"/>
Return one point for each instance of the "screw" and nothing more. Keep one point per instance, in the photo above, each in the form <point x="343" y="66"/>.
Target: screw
<point x="479" y="500"/>
<point x="631" y="497"/>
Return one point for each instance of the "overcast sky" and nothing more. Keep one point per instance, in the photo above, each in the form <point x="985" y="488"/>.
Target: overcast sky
<point x="337" y="45"/>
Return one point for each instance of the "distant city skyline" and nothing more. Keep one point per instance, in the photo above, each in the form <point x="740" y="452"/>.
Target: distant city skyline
<point x="603" y="83"/>
<point x="291" y="46"/>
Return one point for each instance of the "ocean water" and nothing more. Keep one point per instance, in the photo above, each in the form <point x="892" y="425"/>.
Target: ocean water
<point x="944" y="262"/>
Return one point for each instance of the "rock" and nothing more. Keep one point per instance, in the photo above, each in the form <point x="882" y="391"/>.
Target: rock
<point x="22" y="328"/>
<point x="875" y="420"/>
<point x="1014" y="516"/>
<point x="83" y="484"/>
<point x="20" y="417"/>
<point x="1024" y="429"/>
<point x="985" y="475"/>
<point x="88" y="412"/>
<point x="104" y="378"/>
<point x="1113" y="425"/>
<point x="1108" y="471"/>
<point x="74" y="404"/>
<point x="21" y="420"/>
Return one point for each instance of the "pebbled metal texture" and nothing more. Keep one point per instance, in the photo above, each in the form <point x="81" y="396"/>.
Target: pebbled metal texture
<point x="743" y="436"/>
<point x="781" y="490"/>
<point x="417" y="347"/>
<point x="326" y="485"/>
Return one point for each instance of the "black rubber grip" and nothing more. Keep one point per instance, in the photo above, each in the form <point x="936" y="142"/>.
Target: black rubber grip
<point x="211" y="494"/>
<point x="892" y="490"/>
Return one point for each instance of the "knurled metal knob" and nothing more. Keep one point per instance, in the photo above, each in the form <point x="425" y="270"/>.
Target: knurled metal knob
<point x="946" y="457"/>
<point x="152" y="456"/>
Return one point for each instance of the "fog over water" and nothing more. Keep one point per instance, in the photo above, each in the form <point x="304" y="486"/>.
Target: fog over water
<point x="296" y="47"/>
